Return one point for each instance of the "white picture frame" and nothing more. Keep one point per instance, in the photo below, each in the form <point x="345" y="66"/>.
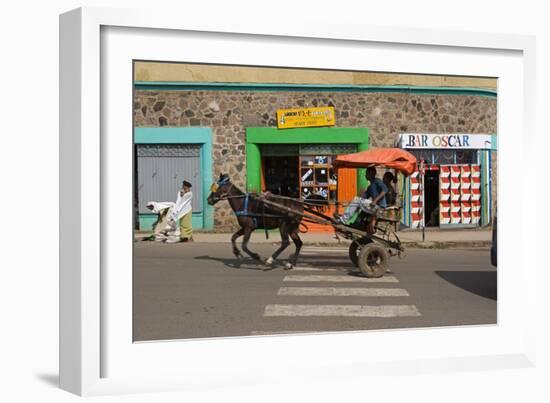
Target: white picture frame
<point x="96" y="356"/>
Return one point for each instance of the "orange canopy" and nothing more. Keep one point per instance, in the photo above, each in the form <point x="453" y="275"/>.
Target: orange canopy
<point x="394" y="158"/>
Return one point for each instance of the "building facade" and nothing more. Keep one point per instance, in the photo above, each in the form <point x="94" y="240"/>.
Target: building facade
<point x="199" y="130"/>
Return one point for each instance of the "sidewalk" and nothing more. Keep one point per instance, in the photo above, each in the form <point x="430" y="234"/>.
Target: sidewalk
<point x="433" y="238"/>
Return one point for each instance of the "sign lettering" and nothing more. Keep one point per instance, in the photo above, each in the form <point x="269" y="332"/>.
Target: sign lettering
<point x="450" y="141"/>
<point x="308" y="117"/>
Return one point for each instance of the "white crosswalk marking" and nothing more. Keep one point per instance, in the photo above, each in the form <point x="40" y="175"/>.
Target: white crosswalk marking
<point x="304" y="268"/>
<point x="356" y="287"/>
<point x="324" y="252"/>
<point x="340" y="279"/>
<point x="324" y="249"/>
<point x="371" y="311"/>
<point x="343" y="292"/>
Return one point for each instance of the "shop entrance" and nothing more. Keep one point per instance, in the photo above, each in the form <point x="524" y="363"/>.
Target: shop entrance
<point x="298" y="163"/>
<point x="289" y="171"/>
<point x="281" y="175"/>
<point x="431" y="197"/>
<point x="301" y="171"/>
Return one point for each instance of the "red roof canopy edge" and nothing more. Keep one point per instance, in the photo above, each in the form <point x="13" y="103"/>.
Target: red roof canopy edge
<point x="394" y="158"/>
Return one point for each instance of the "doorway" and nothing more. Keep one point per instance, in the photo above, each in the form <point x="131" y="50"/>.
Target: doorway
<point x="281" y="175"/>
<point x="431" y="198"/>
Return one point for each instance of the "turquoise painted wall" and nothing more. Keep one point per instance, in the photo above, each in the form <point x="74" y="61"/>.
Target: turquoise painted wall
<point x="183" y="135"/>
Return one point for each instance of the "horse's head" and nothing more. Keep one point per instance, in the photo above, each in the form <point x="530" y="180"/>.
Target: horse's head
<point x="219" y="189"/>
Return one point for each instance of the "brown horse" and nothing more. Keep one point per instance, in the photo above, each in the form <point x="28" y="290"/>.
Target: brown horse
<point x="254" y="214"/>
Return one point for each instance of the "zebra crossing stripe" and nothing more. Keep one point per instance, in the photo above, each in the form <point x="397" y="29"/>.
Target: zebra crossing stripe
<point x="367" y="311"/>
<point x="323" y="252"/>
<point x="340" y="279"/>
<point x="303" y="268"/>
<point x="325" y="249"/>
<point x="342" y="292"/>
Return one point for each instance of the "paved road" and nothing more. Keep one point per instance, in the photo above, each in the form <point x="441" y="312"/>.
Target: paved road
<point x="200" y="290"/>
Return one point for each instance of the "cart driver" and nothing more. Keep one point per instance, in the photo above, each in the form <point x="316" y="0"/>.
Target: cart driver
<point x="369" y="201"/>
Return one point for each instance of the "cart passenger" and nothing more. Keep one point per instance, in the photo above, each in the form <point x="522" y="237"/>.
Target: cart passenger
<point x="389" y="180"/>
<point x="370" y="200"/>
<point x="391" y="196"/>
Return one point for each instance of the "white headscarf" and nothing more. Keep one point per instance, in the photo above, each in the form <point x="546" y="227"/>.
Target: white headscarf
<point x="159" y="206"/>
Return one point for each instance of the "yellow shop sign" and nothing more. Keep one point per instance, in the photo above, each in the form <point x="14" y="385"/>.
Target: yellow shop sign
<point x="307" y="117"/>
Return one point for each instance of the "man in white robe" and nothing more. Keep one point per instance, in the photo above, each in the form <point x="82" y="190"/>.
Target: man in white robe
<point x="180" y="217"/>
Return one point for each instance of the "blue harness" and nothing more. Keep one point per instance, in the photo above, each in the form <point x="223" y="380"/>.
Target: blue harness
<point x="223" y="181"/>
<point x="244" y="212"/>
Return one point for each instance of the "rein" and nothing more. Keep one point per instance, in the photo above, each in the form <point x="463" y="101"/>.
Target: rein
<point x="244" y="209"/>
<point x="244" y="212"/>
<point x="226" y="196"/>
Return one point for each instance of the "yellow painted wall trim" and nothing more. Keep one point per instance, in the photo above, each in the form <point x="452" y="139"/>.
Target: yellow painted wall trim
<point x="185" y="72"/>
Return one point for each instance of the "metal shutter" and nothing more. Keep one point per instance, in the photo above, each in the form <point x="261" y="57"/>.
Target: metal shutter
<point x="161" y="169"/>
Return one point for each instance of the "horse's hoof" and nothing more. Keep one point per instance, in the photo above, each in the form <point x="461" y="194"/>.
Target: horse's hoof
<point x="269" y="262"/>
<point x="289" y="266"/>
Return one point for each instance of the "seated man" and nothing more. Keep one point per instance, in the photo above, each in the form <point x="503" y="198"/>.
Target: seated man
<point x="392" y="200"/>
<point x="389" y="180"/>
<point x="369" y="201"/>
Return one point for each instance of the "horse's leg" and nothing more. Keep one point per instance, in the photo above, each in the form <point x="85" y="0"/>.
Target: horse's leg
<point x="247" y="233"/>
<point x="284" y="244"/>
<point x="234" y="238"/>
<point x="298" y="242"/>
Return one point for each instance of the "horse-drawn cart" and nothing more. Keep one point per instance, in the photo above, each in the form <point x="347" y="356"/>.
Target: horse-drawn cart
<point x="371" y="229"/>
<point x="372" y="243"/>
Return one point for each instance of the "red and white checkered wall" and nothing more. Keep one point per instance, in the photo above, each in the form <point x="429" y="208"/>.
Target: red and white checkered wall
<point x="460" y="194"/>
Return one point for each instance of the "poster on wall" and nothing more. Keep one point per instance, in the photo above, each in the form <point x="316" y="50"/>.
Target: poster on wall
<point x="460" y="197"/>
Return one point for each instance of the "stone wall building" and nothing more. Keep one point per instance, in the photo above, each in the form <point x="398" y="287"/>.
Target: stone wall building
<point x="230" y="109"/>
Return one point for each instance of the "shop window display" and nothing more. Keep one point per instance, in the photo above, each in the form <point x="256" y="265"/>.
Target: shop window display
<point x="317" y="177"/>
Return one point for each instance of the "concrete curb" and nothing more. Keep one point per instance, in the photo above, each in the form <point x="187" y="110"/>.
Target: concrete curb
<point x="477" y="244"/>
<point x="448" y="245"/>
<point x="411" y="245"/>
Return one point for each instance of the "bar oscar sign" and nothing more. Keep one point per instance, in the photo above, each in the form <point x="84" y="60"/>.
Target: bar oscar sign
<point x="306" y="117"/>
<point x="450" y="141"/>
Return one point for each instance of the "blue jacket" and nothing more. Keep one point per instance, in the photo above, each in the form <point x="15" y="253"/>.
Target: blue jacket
<point x="375" y="188"/>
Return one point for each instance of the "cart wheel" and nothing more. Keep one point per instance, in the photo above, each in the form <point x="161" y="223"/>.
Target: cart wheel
<point x="373" y="260"/>
<point x="355" y="248"/>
